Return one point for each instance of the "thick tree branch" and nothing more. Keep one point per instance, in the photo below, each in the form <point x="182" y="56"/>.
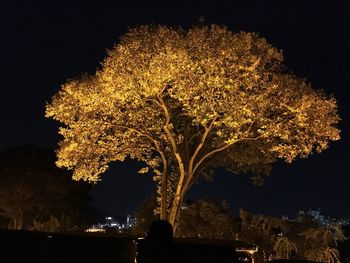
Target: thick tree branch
<point x="186" y="142"/>
<point x="200" y="145"/>
<point x="164" y="185"/>
<point x="171" y="136"/>
<point x="195" y="176"/>
<point x="163" y="212"/>
<point x="221" y="148"/>
<point x="177" y="197"/>
<point x="155" y="101"/>
<point x="195" y="153"/>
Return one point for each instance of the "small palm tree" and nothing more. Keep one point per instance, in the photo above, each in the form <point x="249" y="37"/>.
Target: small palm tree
<point x="328" y="254"/>
<point x="338" y="234"/>
<point x="318" y="237"/>
<point x="284" y="248"/>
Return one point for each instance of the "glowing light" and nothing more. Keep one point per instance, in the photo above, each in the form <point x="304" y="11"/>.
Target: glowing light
<point x="95" y="229"/>
<point x="205" y="97"/>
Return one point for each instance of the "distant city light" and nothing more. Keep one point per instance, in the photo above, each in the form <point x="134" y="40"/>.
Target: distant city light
<point x="111" y="223"/>
<point x="95" y="229"/>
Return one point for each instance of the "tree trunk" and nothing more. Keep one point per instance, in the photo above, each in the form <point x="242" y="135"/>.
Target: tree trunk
<point x="177" y="217"/>
<point x="164" y="195"/>
<point x="175" y="212"/>
<point x="177" y="201"/>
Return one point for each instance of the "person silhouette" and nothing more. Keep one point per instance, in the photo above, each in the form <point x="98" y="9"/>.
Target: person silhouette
<point x="158" y="246"/>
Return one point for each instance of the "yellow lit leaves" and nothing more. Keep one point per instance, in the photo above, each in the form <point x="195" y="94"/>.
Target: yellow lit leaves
<point x="143" y="170"/>
<point x="209" y="80"/>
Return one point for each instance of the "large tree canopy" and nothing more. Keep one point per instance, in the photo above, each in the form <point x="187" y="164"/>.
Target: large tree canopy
<point x="186" y="101"/>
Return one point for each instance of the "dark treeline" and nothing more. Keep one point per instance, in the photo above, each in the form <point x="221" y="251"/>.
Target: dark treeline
<point x="300" y="239"/>
<point x="36" y="195"/>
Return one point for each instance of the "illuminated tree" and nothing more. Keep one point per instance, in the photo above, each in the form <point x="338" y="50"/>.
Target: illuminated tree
<point x="284" y="248"/>
<point x="323" y="236"/>
<point x="184" y="102"/>
<point x="325" y="254"/>
<point x="338" y="234"/>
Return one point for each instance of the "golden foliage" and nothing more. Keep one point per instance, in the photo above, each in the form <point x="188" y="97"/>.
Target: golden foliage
<point x="184" y="101"/>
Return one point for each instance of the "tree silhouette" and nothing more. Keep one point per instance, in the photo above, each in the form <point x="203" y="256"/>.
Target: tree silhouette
<point x="33" y="190"/>
<point x="184" y="102"/>
<point x="144" y="216"/>
<point x="261" y="230"/>
<point x="204" y="218"/>
<point x="207" y="218"/>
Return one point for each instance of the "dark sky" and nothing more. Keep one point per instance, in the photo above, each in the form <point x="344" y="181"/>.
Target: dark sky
<point x="45" y="42"/>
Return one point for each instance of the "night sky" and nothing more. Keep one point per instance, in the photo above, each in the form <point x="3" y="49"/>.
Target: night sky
<point x="43" y="43"/>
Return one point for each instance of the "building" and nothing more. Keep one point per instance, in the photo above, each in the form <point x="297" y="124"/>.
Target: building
<point x="112" y="222"/>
